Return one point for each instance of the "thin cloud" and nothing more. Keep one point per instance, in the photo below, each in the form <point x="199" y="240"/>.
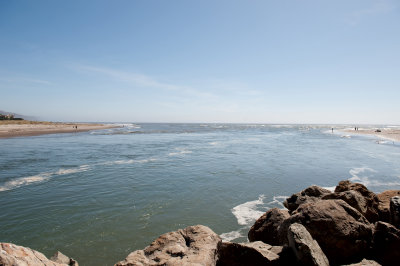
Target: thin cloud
<point x="147" y="81"/>
<point x="379" y="7"/>
<point x="25" y="80"/>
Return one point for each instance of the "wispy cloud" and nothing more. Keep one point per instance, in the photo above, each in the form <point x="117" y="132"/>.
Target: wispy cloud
<point x="379" y="7"/>
<point x="25" y="80"/>
<point x="148" y="81"/>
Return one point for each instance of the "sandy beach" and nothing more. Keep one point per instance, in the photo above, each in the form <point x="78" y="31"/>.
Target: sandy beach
<point x="10" y="129"/>
<point x="386" y="133"/>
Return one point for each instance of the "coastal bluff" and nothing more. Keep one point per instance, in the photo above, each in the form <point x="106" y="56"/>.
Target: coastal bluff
<point x="350" y="226"/>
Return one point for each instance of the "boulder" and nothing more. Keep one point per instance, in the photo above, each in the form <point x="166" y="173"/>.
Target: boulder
<point x="395" y="211"/>
<point x="194" y="245"/>
<point x="254" y="253"/>
<point x="305" y="248"/>
<point x="12" y="255"/>
<point x="355" y="200"/>
<point x="386" y="243"/>
<point x="372" y="201"/>
<point x="309" y="194"/>
<point x="364" y="262"/>
<point x="267" y="226"/>
<point x="342" y="232"/>
<point x="62" y="259"/>
<point x="384" y="204"/>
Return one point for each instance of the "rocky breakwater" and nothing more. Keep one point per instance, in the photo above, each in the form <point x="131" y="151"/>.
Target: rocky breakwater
<point x="350" y="226"/>
<point x="14" y="255"/>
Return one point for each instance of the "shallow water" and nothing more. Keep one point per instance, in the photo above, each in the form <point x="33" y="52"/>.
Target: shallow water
<point x="97" y="196"/>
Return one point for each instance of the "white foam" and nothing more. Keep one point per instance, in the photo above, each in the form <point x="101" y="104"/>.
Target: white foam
<point x="179" y="151"/>
<point x="247" y="212"/>
<point x="278" y="200"/>
<point x="117" y="162"/>
<point x="24" y="181"/>
<point x="214" y="143"/>
<point x="231" y="235"/>
<point x="365" y="179"/>
<point x="79" y="169"/>
<point x="331" y="189"/>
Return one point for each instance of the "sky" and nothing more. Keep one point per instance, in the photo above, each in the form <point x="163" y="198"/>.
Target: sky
<point x="308" y="61"/>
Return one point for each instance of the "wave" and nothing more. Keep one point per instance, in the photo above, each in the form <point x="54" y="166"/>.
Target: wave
<point x="366" y="180"/>
<point x="79" y="169"/>
<point x="116" y="162"/>
<point x="331" y="189"/>
<point x="247" y="213"/>
<point x="231" y="235"/>
<point x="278" y="200"/>
<point x="24" y="181"/>
<point x="179" y="152"/>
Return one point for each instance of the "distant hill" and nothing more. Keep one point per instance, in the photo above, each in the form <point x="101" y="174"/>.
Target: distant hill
<point x="25" y="117"/>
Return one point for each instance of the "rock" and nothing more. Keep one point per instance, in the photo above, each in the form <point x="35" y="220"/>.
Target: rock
<point x="384" y="204"/>
<point x="386" y="243"/>
<point x="342" y="232"/>
<point x="364" y="262"/>
<point x="372" y="201"/>
<point x="395" y="211"/>
<point x="194" y="245"/>
<point x="355" y="200"/>
<point x="12" y="255"/>
<point x="309" y="194"/>
<point x="267" y="226"/>
<point x="61" y="258"/>
<point x="305" y="248"/>
<point x="254" y="253"/>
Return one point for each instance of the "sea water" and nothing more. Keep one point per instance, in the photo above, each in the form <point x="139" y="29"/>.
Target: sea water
<point x="97" y="196"/>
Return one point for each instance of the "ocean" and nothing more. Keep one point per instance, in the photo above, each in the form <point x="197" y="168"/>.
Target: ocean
<point x="97" y="196"/>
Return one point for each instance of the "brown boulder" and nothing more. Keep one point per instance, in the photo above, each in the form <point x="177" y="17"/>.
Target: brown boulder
<point x="384" y="204"/>
<point x="12" y="255"/>
<point x="310" y="194"/>
<point x="342" y="232"/>
<point x="372" y="201"/>
<point x="395" y="211"/>
<point x="386" y="243"/>
<point x="305" y="248"/>
<point x="254" y="253"/>
<point x="364" y="262"/>
<point x="267" y="226"/>
<point x="355" y="200"/>
<point x="190" y="246"/>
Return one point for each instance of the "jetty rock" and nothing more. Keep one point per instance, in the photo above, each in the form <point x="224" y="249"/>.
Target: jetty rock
<point x="14" y="255"/>
<point x="266" y="227"/>
<point x="310" y="194"/>
<point x="342" y="232"/>
<point x="254" y="253"/>
<point x="305" y="248"/>
<point x="384" y="204"/>
<point x="369" y="206"/>
<point x="386" y="243"/>
<point x="194" y="245"/>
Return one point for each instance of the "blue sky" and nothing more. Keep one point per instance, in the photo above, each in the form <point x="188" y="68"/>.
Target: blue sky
<point x="202" y="61"/>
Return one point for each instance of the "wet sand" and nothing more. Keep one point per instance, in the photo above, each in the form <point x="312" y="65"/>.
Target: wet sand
<point x="389" y="134"/>
<point x="10" y="129"/>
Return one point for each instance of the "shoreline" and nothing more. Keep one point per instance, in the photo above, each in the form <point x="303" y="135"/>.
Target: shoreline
<point x="12" y="129"/>
<point x="388" y="134"/>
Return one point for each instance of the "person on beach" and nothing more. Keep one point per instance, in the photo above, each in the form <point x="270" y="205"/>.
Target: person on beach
<point x="332" y="130"/>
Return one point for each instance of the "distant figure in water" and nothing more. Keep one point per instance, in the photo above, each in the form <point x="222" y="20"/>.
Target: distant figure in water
<point x="332" y="130"/>
<point x="355" y="128"/>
